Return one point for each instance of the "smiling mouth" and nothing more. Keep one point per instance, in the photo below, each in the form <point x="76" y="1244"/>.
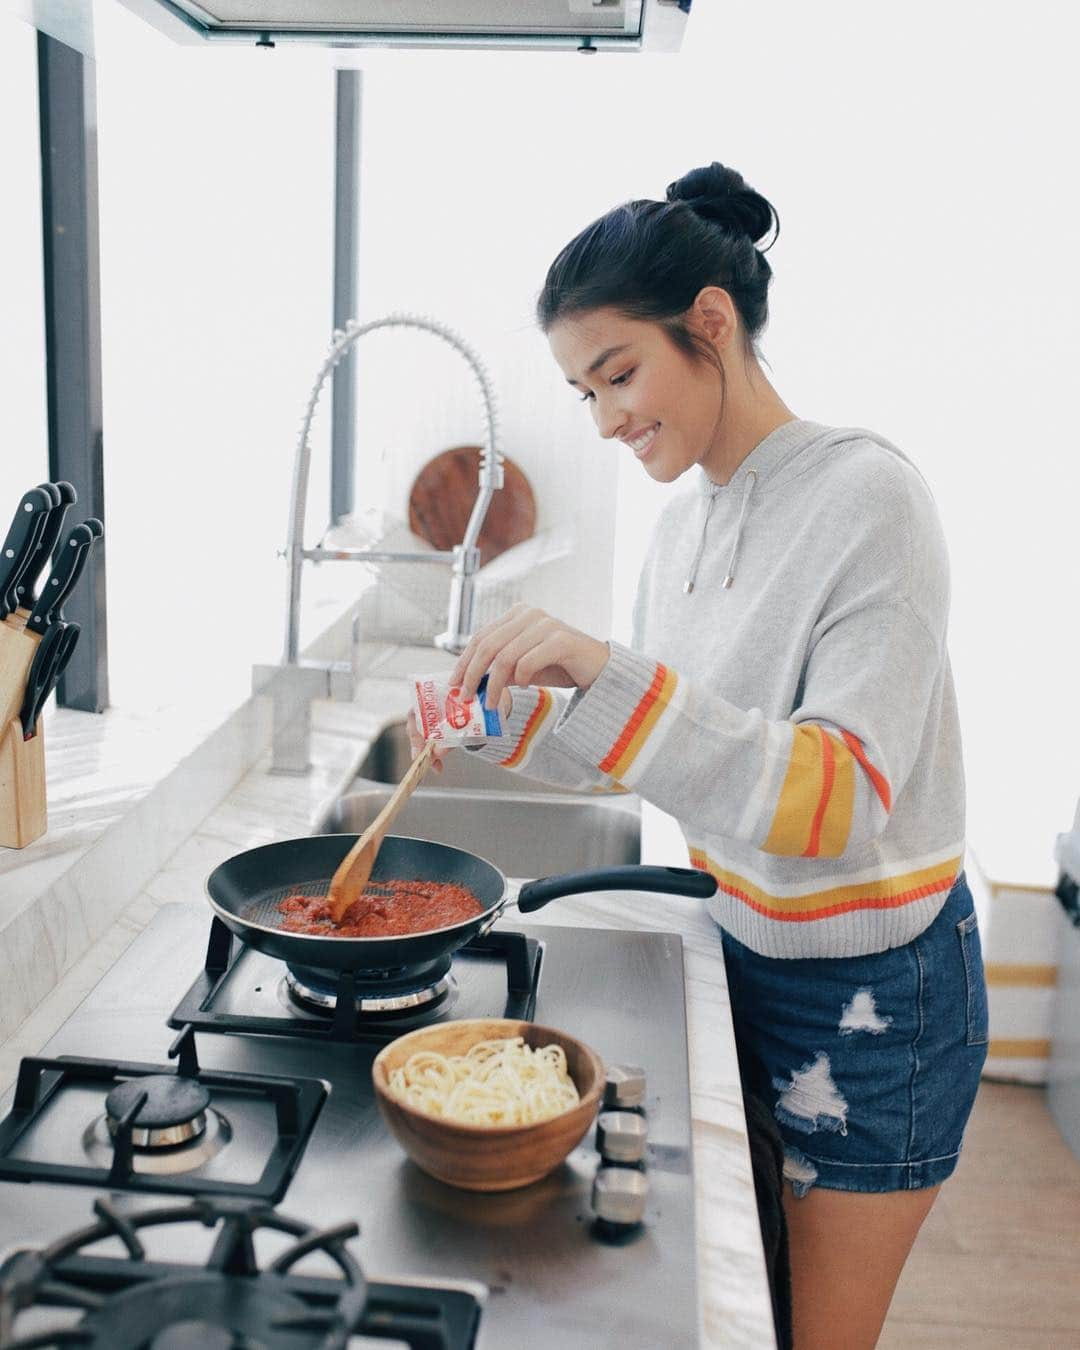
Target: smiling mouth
<point x="643" y="443"/>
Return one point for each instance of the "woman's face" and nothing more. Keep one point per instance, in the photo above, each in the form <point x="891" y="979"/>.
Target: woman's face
<point x="641" y="389"/>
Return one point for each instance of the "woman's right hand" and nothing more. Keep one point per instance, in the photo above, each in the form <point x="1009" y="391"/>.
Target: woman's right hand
<point x="416" y="743"/>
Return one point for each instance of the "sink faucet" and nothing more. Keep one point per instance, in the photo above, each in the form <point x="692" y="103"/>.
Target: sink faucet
<point x="293" y="683"/>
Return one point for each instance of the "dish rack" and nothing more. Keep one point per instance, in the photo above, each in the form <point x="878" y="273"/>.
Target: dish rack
<point x="408" y="605"/>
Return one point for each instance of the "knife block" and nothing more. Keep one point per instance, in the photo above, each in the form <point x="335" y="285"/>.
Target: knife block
<point x="23" y="814"/>
<point x="22" y="763"/>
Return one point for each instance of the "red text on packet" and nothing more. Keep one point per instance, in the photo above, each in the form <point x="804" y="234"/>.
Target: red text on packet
<point x="457" y="714"/>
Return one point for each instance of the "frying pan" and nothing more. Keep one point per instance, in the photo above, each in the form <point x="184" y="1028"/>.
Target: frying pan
<point x="245" y="890"/>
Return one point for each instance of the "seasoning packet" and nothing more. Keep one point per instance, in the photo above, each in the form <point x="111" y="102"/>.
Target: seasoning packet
<point x="445" y="717"/>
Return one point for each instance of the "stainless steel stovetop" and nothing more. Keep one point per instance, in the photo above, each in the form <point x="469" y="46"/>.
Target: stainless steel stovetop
<point x="549" y="1278"/>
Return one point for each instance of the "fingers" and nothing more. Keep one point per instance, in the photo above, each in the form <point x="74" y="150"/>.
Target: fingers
<point x="416" y="743"/>
<point x="485" y="646"/>
<point x="514" y="664"/>
<point x="546" y="658"/>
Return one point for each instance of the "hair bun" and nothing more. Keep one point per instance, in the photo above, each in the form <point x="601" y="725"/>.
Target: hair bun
<point x="721" y="195"/>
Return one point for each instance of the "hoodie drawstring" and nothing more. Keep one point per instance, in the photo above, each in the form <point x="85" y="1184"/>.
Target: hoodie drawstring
<point x="748" y="487"/>
<point x="688" y="584"/>
<point x="749" y="480"/>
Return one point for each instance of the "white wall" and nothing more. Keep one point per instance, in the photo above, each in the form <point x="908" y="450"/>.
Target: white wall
<point x="926" y="285"/>
<point x="24" y="442"/>
<point x="215" y="245"/>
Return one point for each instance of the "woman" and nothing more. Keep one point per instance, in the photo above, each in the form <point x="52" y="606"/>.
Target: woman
<point x="787" y="696"/>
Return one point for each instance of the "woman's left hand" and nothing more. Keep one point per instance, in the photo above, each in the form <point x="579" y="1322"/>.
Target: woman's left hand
<point x="526" y="646"/>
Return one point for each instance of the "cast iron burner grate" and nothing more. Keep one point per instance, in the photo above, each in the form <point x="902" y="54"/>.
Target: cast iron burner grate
<point x="131" y="1303"/>
<point x="41" y="1128"/>
<point x="225" y="959"/>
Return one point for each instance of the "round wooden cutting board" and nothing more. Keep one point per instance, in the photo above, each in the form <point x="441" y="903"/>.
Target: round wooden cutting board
<point x="442" y="498"/>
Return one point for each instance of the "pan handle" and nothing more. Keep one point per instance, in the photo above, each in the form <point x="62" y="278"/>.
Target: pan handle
<point x="674" y="880"/>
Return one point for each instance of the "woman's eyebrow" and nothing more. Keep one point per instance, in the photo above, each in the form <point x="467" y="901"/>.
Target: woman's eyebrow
<point x="605" y="355"/>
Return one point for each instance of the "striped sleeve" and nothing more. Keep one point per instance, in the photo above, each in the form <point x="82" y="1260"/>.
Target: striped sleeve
<point x="813" y="813"/>
<point x="792" y="788"/>
<point x="529" y="747"/>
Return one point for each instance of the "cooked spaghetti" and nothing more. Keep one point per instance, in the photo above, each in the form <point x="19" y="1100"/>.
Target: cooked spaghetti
<point x="499" y="1082"/>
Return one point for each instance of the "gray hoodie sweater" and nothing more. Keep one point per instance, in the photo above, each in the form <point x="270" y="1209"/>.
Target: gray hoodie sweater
<point x="787" y="696"/>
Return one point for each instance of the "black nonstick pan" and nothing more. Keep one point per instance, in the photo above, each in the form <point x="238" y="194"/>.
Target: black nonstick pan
<point x="245" y="891"/>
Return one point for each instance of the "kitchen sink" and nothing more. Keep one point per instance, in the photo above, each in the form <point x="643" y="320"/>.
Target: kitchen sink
<point x="525" y="828"/>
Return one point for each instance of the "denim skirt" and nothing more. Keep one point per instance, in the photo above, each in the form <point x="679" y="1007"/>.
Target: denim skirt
<point x="870" y="1064"/>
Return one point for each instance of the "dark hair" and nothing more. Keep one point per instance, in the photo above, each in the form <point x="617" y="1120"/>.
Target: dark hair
<point x="650" y="259"/>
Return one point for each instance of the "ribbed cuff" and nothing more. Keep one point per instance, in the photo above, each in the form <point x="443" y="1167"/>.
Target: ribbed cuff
<point x="499" y="748"/>
<point x="597" y="716"/>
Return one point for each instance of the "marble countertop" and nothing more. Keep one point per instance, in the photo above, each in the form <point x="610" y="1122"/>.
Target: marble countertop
<point x="259" y="807"/>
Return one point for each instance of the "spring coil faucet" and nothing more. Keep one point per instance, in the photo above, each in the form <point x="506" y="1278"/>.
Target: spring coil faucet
<point x="294" y="683"/>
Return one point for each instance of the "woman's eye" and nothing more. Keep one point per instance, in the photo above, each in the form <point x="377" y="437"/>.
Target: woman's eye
<point x="585" y="397"/>
<point x="623" y="378"/>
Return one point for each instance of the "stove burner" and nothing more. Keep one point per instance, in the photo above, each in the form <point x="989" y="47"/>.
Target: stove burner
<point x="196" y="1335"/>
<point x="241" y="990"/>
<point x="199" y="1312"/>
<point x="173" y="1112"/>
<point x="99" y="1142"/>
<point x="152" y="1130"/>
<point x="132" y="1303"/>
<point x="394" y="992"/>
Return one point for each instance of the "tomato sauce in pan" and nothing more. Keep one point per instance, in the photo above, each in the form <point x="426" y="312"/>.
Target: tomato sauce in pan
<point x="396" y="909"/>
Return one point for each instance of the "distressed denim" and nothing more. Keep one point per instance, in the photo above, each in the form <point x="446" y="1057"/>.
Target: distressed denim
<point x="870" y="1063"/>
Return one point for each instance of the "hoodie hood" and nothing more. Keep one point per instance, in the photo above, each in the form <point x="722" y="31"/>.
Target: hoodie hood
<point x="790" y="450"/>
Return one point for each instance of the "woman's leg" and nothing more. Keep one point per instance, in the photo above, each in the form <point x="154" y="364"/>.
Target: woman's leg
<point x="847" y="1251"/>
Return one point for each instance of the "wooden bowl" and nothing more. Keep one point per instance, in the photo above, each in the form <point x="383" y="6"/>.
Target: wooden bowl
<point x="487" y="1157"/>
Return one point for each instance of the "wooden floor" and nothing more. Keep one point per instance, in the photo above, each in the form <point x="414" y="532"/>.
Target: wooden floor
<point x="997" y="1264"/>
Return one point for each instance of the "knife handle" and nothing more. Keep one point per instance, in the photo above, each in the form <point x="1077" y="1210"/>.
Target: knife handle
<point x="64" y="495"/>
<point x="18" y="547"/>
<point x="66" y="571"/>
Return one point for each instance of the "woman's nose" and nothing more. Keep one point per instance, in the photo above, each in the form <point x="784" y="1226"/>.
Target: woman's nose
<point x="609" y="418"/>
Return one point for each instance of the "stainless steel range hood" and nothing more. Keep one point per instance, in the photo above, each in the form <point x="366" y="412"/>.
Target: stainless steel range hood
<point x="587" y="25"/>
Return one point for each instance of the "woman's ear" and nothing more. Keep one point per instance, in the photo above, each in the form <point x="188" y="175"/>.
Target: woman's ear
<point x="716" y="316"/>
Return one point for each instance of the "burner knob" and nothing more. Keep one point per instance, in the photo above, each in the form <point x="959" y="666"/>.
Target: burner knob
<point x="625" y="1086"/>
<point x="621" y="1136"/>
<point x="619" y="1195"/>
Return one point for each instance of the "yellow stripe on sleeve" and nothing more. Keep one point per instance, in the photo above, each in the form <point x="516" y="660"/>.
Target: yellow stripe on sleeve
<point x="817" y="800"/>
<point x="836" y="823"/>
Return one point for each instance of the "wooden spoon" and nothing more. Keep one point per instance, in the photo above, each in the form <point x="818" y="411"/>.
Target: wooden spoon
<point x="354" y="870"/>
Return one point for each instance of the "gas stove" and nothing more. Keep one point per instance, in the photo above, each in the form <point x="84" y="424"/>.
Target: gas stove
<point x="261" y="1114"/>
<point x="242" y="990"/>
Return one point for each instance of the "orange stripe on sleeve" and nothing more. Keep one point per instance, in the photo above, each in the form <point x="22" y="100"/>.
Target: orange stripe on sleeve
<point x="880" y="782"/>
<point x="641" y="722"/>
<point x="836" y="821"/>
<point x="828" y="773"/>
<point x="532" y="726"/>
<point x="817" y="800"/>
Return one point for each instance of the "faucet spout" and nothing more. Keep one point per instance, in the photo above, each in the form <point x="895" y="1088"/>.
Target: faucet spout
<point x="292" y="725"/>
<point x="459" y="620"/>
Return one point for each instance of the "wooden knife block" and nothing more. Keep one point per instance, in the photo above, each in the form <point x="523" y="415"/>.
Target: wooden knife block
<point x="23" y="815"/>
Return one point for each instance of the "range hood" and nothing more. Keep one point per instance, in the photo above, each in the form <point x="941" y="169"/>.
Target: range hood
<point x="587" y="25"/>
